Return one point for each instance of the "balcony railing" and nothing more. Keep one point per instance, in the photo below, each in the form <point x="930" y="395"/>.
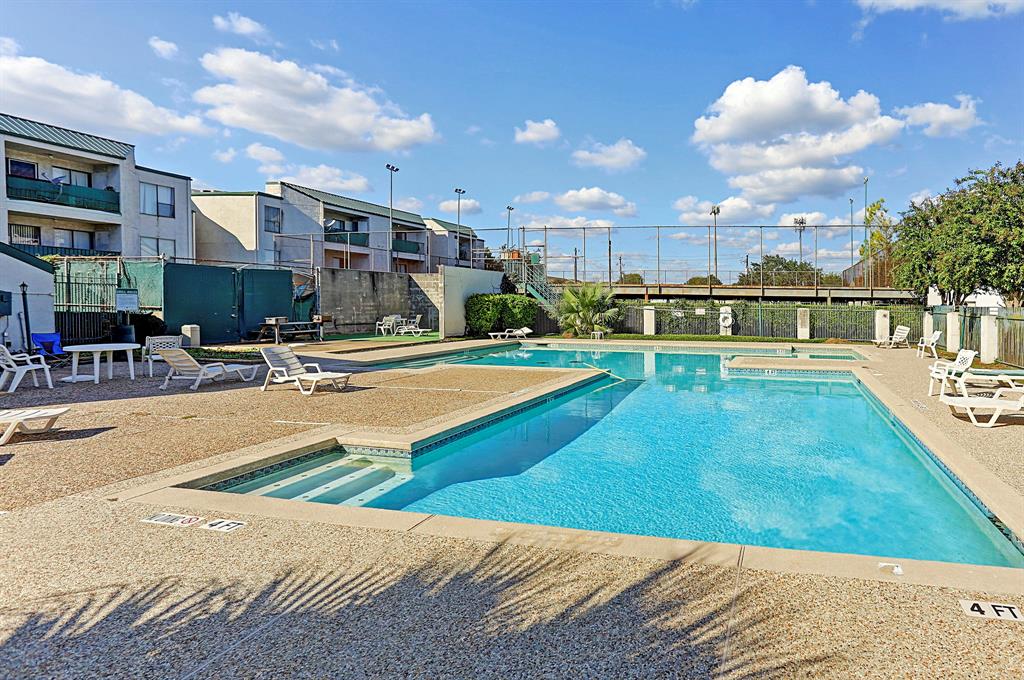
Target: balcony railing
<point x="401" y="246"/>
<point x="26" y="189"/>
<point x="355" y="238"/>
<point x="39" y="251"/>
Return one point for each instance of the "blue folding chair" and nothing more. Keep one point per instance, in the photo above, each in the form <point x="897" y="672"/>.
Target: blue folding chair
<point x="48" y="345"/>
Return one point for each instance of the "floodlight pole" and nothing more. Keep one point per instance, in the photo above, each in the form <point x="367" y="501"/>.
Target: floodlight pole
<point x="458" y="225"/>
<point x="392" y="169"/>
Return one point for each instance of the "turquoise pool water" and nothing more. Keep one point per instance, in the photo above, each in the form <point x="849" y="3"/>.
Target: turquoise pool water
<point x="680" y="449"/>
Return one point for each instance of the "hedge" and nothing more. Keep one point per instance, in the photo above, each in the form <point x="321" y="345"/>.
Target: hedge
<point x="486" y="312"/>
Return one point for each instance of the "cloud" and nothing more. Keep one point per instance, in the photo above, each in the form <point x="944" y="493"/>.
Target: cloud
<point x="960" y="10"/>
<point x="409" y="204"/>
<point x="621" y="155"/>
<point x="470" y="206"/>
<point x="473" y="129"/>
<point x="734" y="210"/>
<point x="325" y="45"/>
<point x="163" y="48"/>
<point x="993" y="142"/>
<point x="538" y="133"/>
<point x="532" y="197"/>
<point x="920" y="196"/>
<point x="36" y="88"/>
<point x="943" y="120"/>
<point x="328" y="178"/>
<point x="596" y="198"/>
<point x="270" y="159"/>
<point x="242" y="25"/>
<point x="225" y="156"/>
<point x="564" y="226"/>
<point x="785" y="137"/>
<point x="814" y="217"/>
<point x="282" y="99"/>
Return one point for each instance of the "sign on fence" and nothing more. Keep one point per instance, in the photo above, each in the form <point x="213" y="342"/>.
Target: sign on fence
<point x="126" y="299"/>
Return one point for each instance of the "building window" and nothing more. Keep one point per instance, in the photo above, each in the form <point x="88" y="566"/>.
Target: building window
<point x="155" y="199"/>
<point x="272" y="217"/>
<point x="72" y="238"/>
<point x="25" y="235"/>
<point x="16" y="168"/>
<point x="156" y="247"/>
<point x="73" y="177"/>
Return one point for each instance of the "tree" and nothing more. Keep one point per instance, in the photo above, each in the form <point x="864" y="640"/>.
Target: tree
<point x="703" y="281"/>
<point x="586" y="308"/>
<point x="882" y="229"/>
<point x="781" y="271"/>
<point x="633" y="279"/>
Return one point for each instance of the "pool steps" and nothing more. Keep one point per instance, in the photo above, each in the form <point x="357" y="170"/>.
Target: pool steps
<point x="369" y="481"/>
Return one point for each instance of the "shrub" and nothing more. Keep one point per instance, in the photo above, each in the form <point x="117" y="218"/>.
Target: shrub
<point x="518" y="311"/>
<point x="486" y="312"/>
<point x="586" y="308"/>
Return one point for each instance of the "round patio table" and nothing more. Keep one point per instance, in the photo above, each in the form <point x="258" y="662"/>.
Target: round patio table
<point x="97" y="349"/>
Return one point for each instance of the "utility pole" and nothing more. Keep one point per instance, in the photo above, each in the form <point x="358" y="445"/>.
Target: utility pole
<point x="867" y="235"/>
<point x="801" y="224"/>
<point x="715" y="210"/>
<point x="609" y="256"/>
<point x="851" y="232"/>
<point x="392" y="169"/>
<point x="621" y="280"/>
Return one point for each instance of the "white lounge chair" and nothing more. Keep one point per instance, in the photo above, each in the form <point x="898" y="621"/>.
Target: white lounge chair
<point x="945" y="371"/>
<point x="996" y="403"/>
<point x="18" y="419"/>
<point x="285" y="367"/>
<point x="510" y="333"/>
<point x="15" y="366"/>
<point x="412" y="328"/>
<point x="925" y="345"/>
<point x="184" y="367"/>
<point x="899" y="337"/>
<point x="154" y="343"/>
<point x="988" y="379"/>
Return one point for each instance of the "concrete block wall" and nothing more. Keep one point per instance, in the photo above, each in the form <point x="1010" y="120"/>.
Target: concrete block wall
<point x="358" y="299"/>
<point x="426" y="295"/>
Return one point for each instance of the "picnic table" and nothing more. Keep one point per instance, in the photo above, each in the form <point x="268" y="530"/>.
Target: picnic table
<point x="97" y="349"/>
<point x="288" y="330"/>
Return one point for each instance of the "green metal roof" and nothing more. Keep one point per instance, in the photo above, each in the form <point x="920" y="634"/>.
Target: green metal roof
<point x="11" y="251"/>
<point x="58" y="136"/>
<point x="162" y="172"/>
<point x="451" y="226"/>
<point x="353" y="204"/>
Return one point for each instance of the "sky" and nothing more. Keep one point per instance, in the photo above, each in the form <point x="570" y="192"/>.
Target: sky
<point x="600" y="114"/>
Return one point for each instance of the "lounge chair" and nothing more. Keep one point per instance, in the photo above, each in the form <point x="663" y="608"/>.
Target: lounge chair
<point x="185" y="367"/>
<point x="18" y="419"/>
<point x="996" y="403"/>
<point x="510" y="333"/>
<point x="412" y="328"/>
<point x="285" y="367"/>
<point x="15" y="366"/>
<point x="154" y="343"/>
<point x="945" y="371"/>
<point x="989" y="379"/>
<point x="386" y="324"/>
<point x="925" y="345"/>
<point x="899" y="337"/>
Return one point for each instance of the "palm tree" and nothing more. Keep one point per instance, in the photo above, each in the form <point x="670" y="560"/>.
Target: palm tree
<point x="587" y="308"/>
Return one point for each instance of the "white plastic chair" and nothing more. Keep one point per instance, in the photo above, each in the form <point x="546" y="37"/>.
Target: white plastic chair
<point x="995" y="403"/>
<point x="185" y="367"/>
<point x="15" y="366"/>
<point x="154" y="343"/>
<point x="18" y="419"/>
<point x="285" y="367"/>
<point x="944" y="371"/>
<point x="386" y="324"/>
<point x="509" y="333"/>
<point x="899" y="337"/>
<point x="925" y="345"/>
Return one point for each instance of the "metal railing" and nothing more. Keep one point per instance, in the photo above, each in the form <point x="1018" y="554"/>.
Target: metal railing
<point x="26" y="189"/>
<point x="402" y="246"/>
<point x="354" y="238"/>
<point x="40" y="250"/>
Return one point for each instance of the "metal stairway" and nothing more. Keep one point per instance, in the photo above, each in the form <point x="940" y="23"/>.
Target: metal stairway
<point x="531" y="278"/>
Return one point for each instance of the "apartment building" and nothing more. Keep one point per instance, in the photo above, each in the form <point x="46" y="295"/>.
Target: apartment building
<point x="292" y="225"/>
<point x="454" y="245"/>
<point x="73" y="193"/>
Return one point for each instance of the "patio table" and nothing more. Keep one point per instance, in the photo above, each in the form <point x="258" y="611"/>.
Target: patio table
<point x="96" y="350"/>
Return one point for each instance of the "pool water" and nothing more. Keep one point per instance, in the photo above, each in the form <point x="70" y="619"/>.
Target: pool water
<point x="675" y="447"/>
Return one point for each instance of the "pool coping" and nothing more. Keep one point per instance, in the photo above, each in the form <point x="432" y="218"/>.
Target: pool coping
<point x="387" y="355"/>
<point x="1006" y="503"/>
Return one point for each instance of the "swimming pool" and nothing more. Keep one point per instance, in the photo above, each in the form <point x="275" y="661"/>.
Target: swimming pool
<point x="676" y="447"/>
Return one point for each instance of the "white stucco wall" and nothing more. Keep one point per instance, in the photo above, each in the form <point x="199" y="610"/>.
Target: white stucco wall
<point x="459" y="283"/>
<point x="40" y="299"/>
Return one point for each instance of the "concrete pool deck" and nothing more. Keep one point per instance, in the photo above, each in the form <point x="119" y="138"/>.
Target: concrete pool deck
<point x="91" y="590"/>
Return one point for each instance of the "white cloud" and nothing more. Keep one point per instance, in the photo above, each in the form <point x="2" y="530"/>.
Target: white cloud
<point x="538" y="133"/>
<point x="596" y="198"/>
<point x="813" y="217"/>
<point x="564" y="226"/>
<point x="242" y="25"/>
<point x="225" y="156"/>
<point x="532" y="197"/>
<point x="164" y="49"/>
<point x="271" y="160"/>
<point x="8" y="47"/>
<point x="286" y="101"/>
<point x="943" y="120"/>
<point x="328" y="178"/>
<point x="36" y="88"/>
<point x="788" y="184"/>
<point x="734" y="210"/>
<point x="331" y="44"/>
<point x="920" y="196"/>
<point x="621" y="155"/>
<point x="409" y="204"/>
<point x="473" y="129"/>
<point x="952" y="9"/>
<point x="470" y="206"/>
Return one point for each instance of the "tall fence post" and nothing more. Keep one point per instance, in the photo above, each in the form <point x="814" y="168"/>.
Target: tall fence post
<point x="803" y="324"/>
<point x="650" y="321"/>
<point x="953" y="331"/>
<point x="927" y="324"/>
<point x="881" y="324"/>
<point x="989" y="338"/>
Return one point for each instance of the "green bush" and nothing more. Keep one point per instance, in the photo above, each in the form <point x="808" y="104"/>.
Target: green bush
<point x="486" y="312"/>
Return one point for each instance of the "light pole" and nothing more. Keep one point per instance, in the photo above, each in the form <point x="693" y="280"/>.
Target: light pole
<point x="851" y="231"/>
<point x="458" y="223"/>
<point x="867" y="234"/>
<point x="801" y="224"/>
<point x="392" y="169"/>
<point x="714" y="215"/>
<point x="508" y="227"/>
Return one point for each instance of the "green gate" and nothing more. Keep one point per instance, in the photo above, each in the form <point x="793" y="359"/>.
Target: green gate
<point x="204" y="295"/>
<point x="265" y="292"/>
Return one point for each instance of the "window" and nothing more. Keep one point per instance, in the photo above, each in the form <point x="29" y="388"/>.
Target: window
<point x="16" y="168"/>
<point x="25" y="235"/>
<point x="156" y="247"/>
<point x="272" y="219"/>
<point x="73" y="177"/>
<point x="72" y="238"/>
<point x="155" y="199"/>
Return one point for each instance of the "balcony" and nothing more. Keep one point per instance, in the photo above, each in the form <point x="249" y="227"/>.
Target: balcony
<point x="60" y="251"/>
<point x="25" y="189"/>
<point x="355" y="238"/>
<point x="400" y="246"/>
